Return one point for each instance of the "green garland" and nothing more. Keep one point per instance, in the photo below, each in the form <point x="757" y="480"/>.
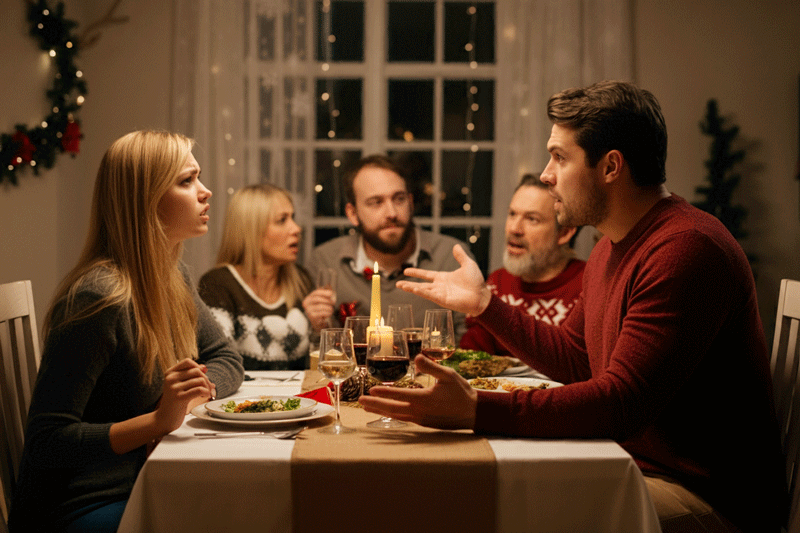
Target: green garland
<point x="59" y="131"/>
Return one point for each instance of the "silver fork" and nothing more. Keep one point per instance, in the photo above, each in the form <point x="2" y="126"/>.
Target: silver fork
<point x="288" y="434"/>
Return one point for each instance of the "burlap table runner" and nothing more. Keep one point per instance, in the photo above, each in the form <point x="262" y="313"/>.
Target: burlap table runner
<point x="405" y="479"/>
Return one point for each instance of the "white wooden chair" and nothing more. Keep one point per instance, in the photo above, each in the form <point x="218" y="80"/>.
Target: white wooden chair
<point x="19" y="364"/>
<point x="786" y="384"/>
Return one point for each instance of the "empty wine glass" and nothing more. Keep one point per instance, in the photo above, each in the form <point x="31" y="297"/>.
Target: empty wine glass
<point x="387" y="361"/>
<point x="401" y="317"/>
<point x="438" y="337"/>
<point x="326" y="279"/>
<point x="337" y="362"/>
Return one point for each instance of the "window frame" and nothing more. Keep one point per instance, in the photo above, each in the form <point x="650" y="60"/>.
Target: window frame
<point x="375" y="71"/>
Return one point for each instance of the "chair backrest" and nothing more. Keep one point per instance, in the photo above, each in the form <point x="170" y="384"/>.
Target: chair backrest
<point x="786" y="384"/>
<point x="19" y="364"/>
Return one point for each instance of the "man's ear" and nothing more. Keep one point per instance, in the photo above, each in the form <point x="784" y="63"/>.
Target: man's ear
<point x="612" y="164"/>
<point x="350" y="211"/>
<point x="565" y="233"/>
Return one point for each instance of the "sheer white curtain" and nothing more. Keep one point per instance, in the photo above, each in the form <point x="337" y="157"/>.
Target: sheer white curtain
<point x="543" y="47"/>
<point x="208" y="105"/>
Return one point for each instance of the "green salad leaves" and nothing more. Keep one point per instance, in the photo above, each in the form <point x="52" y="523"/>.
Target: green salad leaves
<point x="464" y="355"/>
<point x="261" y="406"/>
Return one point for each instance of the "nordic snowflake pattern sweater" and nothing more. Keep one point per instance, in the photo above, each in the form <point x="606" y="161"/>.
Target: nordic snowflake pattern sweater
<point x="550" y="301"/>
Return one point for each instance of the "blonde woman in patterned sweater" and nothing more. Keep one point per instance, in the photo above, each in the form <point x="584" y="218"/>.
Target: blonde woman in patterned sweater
<point x="261" y="297"/>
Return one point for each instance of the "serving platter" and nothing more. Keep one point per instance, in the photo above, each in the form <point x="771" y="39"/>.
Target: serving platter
<point x="508" y="384"/>
<point x="518" y="368"/>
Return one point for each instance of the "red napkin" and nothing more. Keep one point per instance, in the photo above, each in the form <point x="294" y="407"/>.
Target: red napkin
<point x="321" y="395"/>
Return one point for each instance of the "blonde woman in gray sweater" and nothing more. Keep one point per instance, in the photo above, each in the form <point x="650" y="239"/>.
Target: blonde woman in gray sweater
<point x="129" y="346"/>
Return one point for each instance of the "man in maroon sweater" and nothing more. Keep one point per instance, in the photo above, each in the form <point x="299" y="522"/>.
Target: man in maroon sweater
<point x="541" y="276"/>
<point x="664" y="352"/>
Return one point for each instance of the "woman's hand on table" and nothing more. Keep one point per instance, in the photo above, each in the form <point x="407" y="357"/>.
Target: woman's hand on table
<point x="462" y="290"/>
<point x="185" y="386"/>
<point x="201" y="400"/>
<point x="450" y="404"/>
<point x="318" y="306"/>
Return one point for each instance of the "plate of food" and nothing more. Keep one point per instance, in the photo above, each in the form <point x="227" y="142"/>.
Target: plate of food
<point x="476" y="364"/>
<point x="500" y="384"/>
<point x="320" y="411"/>
<point x="261" y="407"/>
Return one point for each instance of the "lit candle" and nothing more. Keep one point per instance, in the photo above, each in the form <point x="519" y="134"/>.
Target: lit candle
<point x="385" y="333"/>
<point x="375" y="304"/>
<point x="436" y="339"/>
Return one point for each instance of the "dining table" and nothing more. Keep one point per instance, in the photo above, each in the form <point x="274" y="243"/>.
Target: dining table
<point x="405" y="479"/>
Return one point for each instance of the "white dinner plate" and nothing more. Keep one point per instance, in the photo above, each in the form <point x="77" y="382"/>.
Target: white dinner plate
<point x="215" y="409"/>
<point x="321" y="410"/>
<point x="535" y="382"/>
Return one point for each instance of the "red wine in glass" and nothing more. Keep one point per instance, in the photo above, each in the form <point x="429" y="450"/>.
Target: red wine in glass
<point x="360" y="351"/>
<point x="414" y="347"/>
<point x="387" y="369"/>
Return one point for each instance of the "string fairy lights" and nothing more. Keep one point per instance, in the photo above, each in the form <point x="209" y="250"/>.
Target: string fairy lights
<point x="472" y="107"/>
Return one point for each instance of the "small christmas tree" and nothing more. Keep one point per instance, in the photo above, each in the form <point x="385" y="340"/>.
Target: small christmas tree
<point x="721" y="175"/>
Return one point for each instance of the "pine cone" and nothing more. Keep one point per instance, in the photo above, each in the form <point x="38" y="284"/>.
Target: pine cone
<point x="351" y="387"/>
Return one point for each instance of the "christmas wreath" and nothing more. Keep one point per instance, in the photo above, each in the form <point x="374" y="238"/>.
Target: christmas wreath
<point x="60" y="130"/>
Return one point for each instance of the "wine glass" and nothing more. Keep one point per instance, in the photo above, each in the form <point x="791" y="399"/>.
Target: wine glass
<point x="438" y="337"/>
<point x="387" y="361"/>
<point x="401" y="317"/>
<point x="359" y="325"/>
<point x="326" y="279"/>
<point x="337" y="362"/>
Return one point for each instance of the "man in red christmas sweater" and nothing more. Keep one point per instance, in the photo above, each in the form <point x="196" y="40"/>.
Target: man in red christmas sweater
<point x="541" y="276"/>
<point x="664" y="351"/>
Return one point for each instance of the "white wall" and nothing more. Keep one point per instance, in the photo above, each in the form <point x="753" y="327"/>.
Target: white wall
<point x="745" y="54"/>
<point x="43" y="220"/>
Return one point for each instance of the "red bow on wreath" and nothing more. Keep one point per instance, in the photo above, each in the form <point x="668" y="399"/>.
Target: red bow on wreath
<point x="71" y="138"/>
<point x="347" y="309"/>
<point x="25" y="151"/>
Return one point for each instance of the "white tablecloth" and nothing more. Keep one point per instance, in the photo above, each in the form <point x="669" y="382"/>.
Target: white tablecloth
<point x="244" y="483"/>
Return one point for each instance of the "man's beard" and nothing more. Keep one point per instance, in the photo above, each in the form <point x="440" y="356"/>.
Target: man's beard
<point x="589" y="210"/>
<point x="374" y="239"/>
<point x="532" y="264"/>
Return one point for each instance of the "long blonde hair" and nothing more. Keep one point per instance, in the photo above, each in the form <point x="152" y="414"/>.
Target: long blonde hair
<point x="128" y="251"/>
<point x="250" y="210"/>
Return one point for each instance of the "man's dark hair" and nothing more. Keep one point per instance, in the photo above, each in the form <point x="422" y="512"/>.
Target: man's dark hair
<point x="375" y="160"/>
<point x="616" y="115"/>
